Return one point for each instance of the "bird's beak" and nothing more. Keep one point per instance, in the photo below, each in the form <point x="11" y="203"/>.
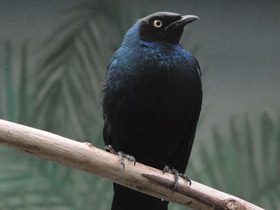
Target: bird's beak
<point x="186" y="19"/>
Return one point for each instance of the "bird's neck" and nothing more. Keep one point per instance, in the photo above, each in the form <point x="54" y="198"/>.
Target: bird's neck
<point x="132" y="37"/>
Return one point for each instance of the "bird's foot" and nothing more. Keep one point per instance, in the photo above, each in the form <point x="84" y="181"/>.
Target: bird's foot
<point x="121" y="155"/>
<point x="176" y="175"/>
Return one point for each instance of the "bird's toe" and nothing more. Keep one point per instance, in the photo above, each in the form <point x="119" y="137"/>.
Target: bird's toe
<point x="176" y="176"/>
<point x="186" y="178"/>
<point x="109" y="148"/>
<point x="121" y="155"/>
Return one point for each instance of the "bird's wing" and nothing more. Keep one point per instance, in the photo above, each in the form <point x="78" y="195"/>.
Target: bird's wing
<point x="111" y="63"/>
<point x="198" y="67"/>
<point x="107" y="135"/>
<point x="188" y="138"/>
<point x="183" y="158"/>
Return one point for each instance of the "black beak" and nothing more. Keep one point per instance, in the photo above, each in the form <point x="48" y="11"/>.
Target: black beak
<point x="186" y="19"/>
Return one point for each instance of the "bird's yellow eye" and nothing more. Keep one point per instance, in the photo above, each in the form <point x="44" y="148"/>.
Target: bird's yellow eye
<point x="157" y="23"/>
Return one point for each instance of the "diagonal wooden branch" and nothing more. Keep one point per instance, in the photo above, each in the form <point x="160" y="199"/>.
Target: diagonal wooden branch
<point x="85" y="157"/>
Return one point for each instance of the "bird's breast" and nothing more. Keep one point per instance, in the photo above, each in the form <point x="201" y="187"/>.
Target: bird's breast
<point x="157" y="87"/>
<point x="151" y="97"/>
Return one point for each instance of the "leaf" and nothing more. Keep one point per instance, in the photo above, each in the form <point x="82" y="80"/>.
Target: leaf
<point x="23" y="96"/>
<point x="71" y="70"/>
<point x="250" y="162"/>
<point x="7" y="84"/>
<point x="21" y="186"/>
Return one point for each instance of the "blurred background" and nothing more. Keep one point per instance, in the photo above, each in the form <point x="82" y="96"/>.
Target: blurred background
<point x="53" y="59"/>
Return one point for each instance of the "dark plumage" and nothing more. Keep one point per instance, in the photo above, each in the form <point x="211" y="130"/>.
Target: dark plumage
<point x="152" y="100"/>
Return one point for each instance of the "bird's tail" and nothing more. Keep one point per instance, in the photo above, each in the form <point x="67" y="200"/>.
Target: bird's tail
<point x="127" y="199"/>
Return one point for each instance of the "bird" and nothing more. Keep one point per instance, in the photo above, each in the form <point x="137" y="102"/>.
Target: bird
<point x="151" y="102"/>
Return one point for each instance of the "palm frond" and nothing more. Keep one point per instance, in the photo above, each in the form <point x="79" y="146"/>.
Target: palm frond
<point x="251" y="160"/>
<point x="14" y="91"/>
<point x="72" y="70"/>
<point x="24" y="93"/>
<point x="7" y="84"/>
<point x="24" y="186"/>
<point x="245" y="162"/>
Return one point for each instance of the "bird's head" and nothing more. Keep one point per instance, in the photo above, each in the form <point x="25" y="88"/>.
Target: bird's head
<point x="164" y="27"/>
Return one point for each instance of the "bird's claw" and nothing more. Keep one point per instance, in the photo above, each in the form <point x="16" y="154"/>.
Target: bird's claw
<point x="121" y="155"/>
<point x="176" y="175"/>
<point x="109" y="148"/>
<point x="186" y="178"/>
<point x="129" y="157"/>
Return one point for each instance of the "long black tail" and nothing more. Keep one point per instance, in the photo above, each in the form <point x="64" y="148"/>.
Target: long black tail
<point x="127" y="199"/>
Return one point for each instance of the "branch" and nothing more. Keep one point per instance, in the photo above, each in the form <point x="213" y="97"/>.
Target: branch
<point x="85" y="157"/>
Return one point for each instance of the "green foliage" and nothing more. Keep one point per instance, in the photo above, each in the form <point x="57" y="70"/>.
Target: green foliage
<point x="62" y="95"/>
<point x="72" y="70"/>
<point x="27" y="183"/>
<point x="7" y="106"/>
<point x="14" y="94"/>
<point x="244" y="162"/>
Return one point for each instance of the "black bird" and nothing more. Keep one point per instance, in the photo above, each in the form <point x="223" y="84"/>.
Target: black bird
<point x="151" y="101"/>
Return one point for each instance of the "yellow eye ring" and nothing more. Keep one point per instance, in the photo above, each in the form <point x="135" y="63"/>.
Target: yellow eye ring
<point x="157" y="23"/>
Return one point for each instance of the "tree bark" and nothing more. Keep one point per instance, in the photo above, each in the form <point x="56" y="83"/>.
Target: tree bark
<point x="85" y="157"/>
